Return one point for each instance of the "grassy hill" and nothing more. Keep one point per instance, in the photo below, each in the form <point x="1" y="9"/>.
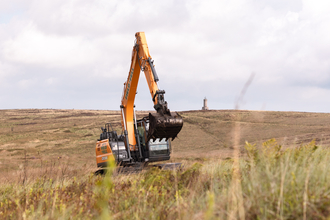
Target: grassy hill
<point x="42" y="136"/>
<point x="210" y="133"/>
<point x="48" y="157"/>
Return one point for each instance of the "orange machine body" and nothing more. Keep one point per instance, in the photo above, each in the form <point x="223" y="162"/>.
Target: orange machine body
<point x="103" y="153"/>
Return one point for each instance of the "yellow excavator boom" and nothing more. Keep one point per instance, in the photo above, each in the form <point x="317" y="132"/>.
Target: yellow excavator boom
<point x="163" y="123"/>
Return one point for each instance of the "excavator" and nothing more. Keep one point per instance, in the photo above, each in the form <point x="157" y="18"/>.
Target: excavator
<point x="145" y="140"/>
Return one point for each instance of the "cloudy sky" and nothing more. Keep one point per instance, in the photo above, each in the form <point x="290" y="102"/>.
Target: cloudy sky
<point x="76" y="54"/>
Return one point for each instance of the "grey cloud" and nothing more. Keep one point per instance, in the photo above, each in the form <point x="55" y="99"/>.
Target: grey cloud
<point x="200" y="48"/>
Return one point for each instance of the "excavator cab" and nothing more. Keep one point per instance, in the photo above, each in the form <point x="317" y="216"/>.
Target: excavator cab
<point x="156" y="149"/>
<point x="113" y="146"/>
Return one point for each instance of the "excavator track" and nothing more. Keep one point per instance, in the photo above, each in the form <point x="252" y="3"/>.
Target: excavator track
<point x="139" y="168"/>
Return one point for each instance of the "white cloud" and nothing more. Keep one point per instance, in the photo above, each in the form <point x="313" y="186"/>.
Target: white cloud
<point x="310" y="94"/>
<point x="52" y="81"/>
<point x="316" y="9"/>
<point x="32" y="46"/>
<point x="26" y="83"/>
<point x="201" y="48"/>
<point x="6" y="69"/>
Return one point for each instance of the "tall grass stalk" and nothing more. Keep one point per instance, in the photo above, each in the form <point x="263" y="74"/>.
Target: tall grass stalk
<point x="236" y="198"/>
<point x="306" y="194"/>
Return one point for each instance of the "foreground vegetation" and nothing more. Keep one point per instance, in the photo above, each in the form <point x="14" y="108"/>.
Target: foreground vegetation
<point x="269" y="183"/>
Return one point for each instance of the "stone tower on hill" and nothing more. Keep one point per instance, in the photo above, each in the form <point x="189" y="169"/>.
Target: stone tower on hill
<point x="205" y="104"/>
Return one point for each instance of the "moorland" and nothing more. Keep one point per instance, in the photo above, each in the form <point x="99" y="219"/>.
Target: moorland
<point x="47" y="165"/>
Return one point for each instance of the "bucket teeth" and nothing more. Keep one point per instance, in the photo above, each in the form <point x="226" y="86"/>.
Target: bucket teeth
<point x="164" y="126"/>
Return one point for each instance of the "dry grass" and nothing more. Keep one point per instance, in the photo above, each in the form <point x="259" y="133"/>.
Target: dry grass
<point x="69" y="136"/>
<point x="273" y="184"/>
<point x="47" y="160"/>
<point x="210" y="133"/>
<point x="38" y="138"/>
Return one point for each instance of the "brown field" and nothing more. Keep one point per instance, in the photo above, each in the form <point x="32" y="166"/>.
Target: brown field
<point x="50" y="142"/>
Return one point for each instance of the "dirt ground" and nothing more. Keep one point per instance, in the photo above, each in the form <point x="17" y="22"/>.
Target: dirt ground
<point x="40" y="141"/>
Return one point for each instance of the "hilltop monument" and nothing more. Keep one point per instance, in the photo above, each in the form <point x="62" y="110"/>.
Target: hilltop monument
<point x="205" y="104"/>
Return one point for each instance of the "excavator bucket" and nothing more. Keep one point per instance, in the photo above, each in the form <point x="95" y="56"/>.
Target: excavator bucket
<point x="164" y="125"/>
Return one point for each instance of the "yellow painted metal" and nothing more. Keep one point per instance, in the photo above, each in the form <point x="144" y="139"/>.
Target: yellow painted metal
<point x="139" y="60"/>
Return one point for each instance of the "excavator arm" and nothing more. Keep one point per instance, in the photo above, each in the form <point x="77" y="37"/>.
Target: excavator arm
<point x="163" y="123"/>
